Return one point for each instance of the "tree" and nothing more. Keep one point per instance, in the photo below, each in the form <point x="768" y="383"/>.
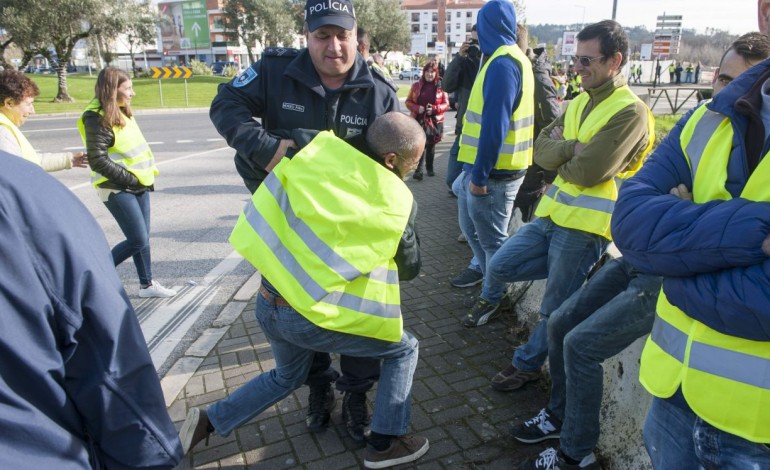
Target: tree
<point x="139" y="28"/>
<point x="53" y="27"/>
<point x="386" y="23"/>
<point x="268" y="21"/>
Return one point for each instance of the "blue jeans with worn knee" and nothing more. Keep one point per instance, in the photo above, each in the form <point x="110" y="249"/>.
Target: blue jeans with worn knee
<point x="484" y="219"/>
<point x="293" y="340"/>
<point x="132" y="213"/>
<point x="676" y="437"/>
<point x="601" y="319"/>
<point x="542" y="250"/>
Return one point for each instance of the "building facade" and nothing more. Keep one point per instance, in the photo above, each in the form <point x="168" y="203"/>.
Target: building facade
<point x="439" y="27"/>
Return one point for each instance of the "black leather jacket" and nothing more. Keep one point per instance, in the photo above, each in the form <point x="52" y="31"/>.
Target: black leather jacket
<point x="98" y="141"/>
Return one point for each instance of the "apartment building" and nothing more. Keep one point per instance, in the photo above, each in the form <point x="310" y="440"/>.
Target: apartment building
<point x="439" y="26"/>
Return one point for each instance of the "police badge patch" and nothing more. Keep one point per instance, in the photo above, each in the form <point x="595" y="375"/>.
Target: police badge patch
<point x="245" y="77"/>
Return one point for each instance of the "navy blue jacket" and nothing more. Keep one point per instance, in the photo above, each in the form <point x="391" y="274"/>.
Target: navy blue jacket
<point x="285" y="91"/>
<point x="77" y="386"/>
<point x="710" y="254"/>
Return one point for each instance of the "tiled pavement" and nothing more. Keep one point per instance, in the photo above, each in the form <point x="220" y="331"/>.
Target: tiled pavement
<point x="453" y="405"/>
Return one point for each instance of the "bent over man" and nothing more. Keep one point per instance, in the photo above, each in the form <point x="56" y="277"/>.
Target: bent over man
<point x="327" y="86"/>
<point x="332" y="238"/>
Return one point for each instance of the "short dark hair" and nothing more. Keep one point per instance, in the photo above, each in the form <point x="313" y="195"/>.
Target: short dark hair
<point x="753" y="47"/>
<point x="611" y="38"/>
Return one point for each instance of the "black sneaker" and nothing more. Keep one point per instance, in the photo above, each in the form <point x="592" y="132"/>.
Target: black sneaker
<point x="538" y="429"/>
<point x="403" y="449"/>
<point x="552" y="459"/>
<point x="468" y="278"/>
<point x="355" y="415"/>
<point x="417" y="175"/>
<point x="480" y="313"/>
<point x="320" y="405"/>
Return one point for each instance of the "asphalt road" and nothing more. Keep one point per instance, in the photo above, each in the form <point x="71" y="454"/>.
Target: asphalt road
<point x="197" y="200"/>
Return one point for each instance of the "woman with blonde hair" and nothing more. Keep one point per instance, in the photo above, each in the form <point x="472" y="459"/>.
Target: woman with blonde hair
<point x="17" y="93"/>
<point x="122" y="171"/>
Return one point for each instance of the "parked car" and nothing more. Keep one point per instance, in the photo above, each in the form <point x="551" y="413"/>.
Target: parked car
<point x="218" y="67"/>
<point x="413" y="73"/>
<point x="43" y="70"/>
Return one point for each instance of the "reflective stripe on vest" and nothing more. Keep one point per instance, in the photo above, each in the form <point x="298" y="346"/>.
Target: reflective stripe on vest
<point x="326" y="238"/>
<point x="724" y="379"/>
<point x="130" y="150"/>
<point x="516" y="150"/>
<point x="590" y="208"/>
<point x="27" y="151"/>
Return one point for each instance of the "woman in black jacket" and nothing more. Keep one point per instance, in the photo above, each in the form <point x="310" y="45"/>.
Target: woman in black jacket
<point x="123" y="171"/>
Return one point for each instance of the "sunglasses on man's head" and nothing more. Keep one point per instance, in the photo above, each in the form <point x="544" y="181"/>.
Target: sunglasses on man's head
<point x="585" y="60"/>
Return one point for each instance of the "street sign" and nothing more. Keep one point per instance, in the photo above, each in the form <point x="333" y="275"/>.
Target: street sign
<point x="667" y="35"/>
<point x="171" y="72"/>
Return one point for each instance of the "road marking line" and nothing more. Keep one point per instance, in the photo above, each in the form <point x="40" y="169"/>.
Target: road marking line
<point x="184" y="141"/>
<point x="50" y="130"/>
<point x="164" y="162"/>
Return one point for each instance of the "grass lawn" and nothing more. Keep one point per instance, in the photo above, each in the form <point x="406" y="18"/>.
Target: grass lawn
<point x="200" y="92"/>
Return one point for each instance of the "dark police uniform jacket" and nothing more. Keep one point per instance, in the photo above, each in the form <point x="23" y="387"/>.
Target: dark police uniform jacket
<point x="285" y="91"/>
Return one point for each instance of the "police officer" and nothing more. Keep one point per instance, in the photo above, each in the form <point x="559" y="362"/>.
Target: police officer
<point x="326" y="86"/>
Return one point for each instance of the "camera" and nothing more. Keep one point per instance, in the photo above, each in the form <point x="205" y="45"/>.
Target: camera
<point x="474" y="51"/>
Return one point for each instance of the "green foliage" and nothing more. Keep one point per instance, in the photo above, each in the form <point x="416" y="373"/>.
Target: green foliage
<point x="200" y="91"/>
<point x="230" y="71"/>
<point x="200" y="68"/>
<point x="270" y="22"/>
<point x="663" y="125"/>
<point x="386" y="23"/>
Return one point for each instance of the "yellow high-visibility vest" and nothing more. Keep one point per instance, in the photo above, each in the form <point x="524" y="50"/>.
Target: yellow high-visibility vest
<point x="130" y="150"/>
<point x="590" y="208"/>
<point x="324" y="228"/>
<point x="27" y="151"/>
<point x="723" y="378"/>
<point x="516" y="152"/>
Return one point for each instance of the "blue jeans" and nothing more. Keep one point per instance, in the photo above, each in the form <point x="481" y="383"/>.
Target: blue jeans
<point x="540" y="250"/>
<point x="484" y="219"/>
<point x="454" y="168"/>
<point x="676" y="438"/>
<point x="457" y="182"/>
<point x="294" y="340"/>
<point x="600" y="320"/>
<point x="132" y="212"/>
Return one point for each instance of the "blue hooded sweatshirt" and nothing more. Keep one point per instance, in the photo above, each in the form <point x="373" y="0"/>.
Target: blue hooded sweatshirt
<point x="496" y="26"/>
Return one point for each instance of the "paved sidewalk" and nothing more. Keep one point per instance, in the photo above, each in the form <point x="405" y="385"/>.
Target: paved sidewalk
<point x="453" y="405"/>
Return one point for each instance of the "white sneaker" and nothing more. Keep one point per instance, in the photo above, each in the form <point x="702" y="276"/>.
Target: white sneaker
<point x="156" y="290"/>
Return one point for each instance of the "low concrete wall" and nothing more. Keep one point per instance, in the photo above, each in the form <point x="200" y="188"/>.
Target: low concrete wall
<point x="625" y="401"/>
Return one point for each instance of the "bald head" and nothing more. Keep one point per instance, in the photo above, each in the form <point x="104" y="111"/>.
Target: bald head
<point x="398" y="140"/>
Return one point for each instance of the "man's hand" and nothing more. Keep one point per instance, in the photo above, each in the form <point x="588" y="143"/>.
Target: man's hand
<point x="557" y="133"/>
<point x="284" y="145"/>
<point x="464" y="49"/>
<point x="766" y="245"/>
<point x="477" y="190"/>
<point x="681" y="192"/>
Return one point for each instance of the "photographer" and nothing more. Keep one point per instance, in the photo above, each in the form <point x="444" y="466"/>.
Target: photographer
<point x="458" y="78"/>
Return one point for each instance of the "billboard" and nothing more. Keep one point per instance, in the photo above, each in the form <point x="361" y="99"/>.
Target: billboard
<point x="569" y="43"/>
<point x="646" y="52"/>
<point x="184" y="25"/>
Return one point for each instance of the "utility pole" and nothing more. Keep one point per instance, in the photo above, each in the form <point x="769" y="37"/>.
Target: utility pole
<point x="614" y="9"/>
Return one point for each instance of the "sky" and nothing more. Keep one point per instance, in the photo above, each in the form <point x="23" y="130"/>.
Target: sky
<point x="735" y="16"/>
